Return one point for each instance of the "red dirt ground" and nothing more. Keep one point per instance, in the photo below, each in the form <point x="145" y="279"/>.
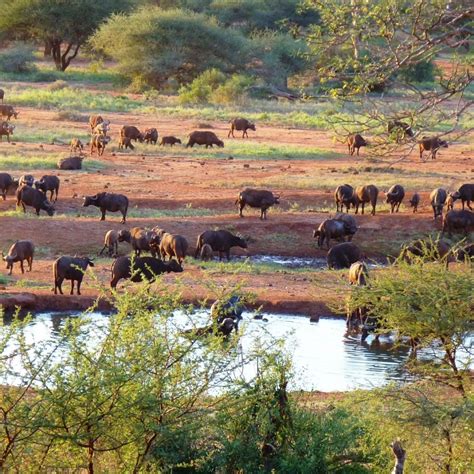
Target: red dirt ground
<point x="167" y="183"/>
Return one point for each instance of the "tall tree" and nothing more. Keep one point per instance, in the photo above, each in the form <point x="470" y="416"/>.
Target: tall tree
<point x="62" y="26"/>
<point x="153" y="45"/>
<point x="362" y="46"/>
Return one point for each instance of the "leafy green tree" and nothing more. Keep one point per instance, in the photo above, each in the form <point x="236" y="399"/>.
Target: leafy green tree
<point x="279" y="57"/>
<point x="62" y="25"/>
<point x="432" y="306"/>
<point x="156" y="45"/>
<point x="256" y="15"/>
<point x="360" y="46"/>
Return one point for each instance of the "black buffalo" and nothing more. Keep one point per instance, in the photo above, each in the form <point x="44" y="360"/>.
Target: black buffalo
<point x="141" y="269"/>
<point x="108" y="202"/>
<point x="257" y="198"/>
<point x="220" y="241"/>
<point x="344" y="196"/>
<point x="70" y="268"/>
<point x="26" y="196"/>
<point x="343" y="255"/>
<point x="48" y="183"/>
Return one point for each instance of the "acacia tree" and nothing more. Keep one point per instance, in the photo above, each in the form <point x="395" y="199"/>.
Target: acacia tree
<point x="429" y="304"/>
<point x="153" y="45"/>
<point x="364" y="45"/>
<point x="63" y="26"/>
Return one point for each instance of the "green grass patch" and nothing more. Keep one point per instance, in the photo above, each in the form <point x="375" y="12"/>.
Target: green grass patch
<point x="4" y="279"/>
<point x="243" y="150"/>
<point x="25" y="162"/>
<point x="96" y="74"/>
<point x="71" y="98"/>
<point x="247" y="267"/>
<point x="49" y="135"/>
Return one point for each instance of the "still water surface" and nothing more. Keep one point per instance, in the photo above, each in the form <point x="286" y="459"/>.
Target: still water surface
<point x="324" y="358"/>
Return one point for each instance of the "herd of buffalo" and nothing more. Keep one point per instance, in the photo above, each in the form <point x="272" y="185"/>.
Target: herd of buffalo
<point x="168" y="251"/>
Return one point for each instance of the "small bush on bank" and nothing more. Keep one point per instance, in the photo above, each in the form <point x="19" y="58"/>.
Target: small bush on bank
<point x="17" y="58"/>
<point x="212" y="86"/>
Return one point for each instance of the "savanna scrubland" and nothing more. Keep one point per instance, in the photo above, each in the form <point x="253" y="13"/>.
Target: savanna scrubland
<point x="307" y="74"/>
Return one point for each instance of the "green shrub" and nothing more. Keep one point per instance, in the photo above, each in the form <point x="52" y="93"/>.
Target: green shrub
<point x="213" y="87"/>
<point x="233" y="91"/>
<point x="58" y="85"/>
<point x="17" y="58"/>
<point x="179" y="44"/>
<point x="424" y="71"/>
<point x="201" y="88"/>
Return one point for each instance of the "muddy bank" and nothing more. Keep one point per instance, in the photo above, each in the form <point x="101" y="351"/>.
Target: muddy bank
<point x="45" y="301"/>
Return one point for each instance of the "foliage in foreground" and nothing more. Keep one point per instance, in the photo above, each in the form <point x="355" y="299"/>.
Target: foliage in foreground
<point x="429" y="304"/>
<point x="135" y="393"/>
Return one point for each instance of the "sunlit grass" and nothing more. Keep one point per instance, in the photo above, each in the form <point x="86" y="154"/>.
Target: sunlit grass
<point x="243" y="150"/>
<point x="23" y="162"/>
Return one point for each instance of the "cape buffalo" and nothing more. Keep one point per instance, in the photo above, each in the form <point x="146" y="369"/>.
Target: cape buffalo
<point x="70" y="163"/>
<point x="48" y="183"/>
<point x="354" y="142"/>
<point x="343" y="255"/>
<point x="350" y="222"/>
<point x="170" y="140"/>
<point x="131" y="132"/>
<point x="428" y="250"/>
<point x="242" y="125"/>
<point x="438" y="198"/>
<point x="344" y="196"/>
<point x="204" y="138"/>
<point x="7" y="183"/>
<point x="394" y="197"/>
<point x="220" y="241"/>
<point x="414" y="202"/>
<point x="366" y="194"/>
<point x="228" y="308"/>
<point x="466" y="194"/>
<point x="257" y="198"/>
<point x="26" y="196"/>
<point x="8" y="111"/>
<point x="150" y="136"/>
<point x="173" y="245"/>
<point x="141" y="268"/>
<point x="331" y="229"/>
<point x="458" y="221"/>
<point x="400" y="129"/>
<point x="21" y="250"/>
<point x="431" y="144"/>
<point x="140" y="240"/>
<point x="108" y="202"/>
<point x="70" y="268"/>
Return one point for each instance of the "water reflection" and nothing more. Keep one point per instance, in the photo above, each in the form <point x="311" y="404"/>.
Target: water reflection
<point x="325" y="358"/>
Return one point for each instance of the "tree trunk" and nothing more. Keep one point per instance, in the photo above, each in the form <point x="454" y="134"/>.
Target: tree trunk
<point x="400" y="456"/>
<point x="56" y="50"/>
<point x="63" y="59"/>
<point x="48" y="49"/>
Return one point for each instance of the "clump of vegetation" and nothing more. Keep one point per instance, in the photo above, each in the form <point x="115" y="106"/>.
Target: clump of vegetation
<point x="173" y="38"/>
<point x="213" y="86"/>
<point x="18" y="58"/>
<point x="423" y="71"/>
<point x="57" y="85"/>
